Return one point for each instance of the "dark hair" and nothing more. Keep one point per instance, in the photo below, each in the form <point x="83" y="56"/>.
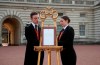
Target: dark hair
<point x="66" y="18"/>
<point x="33" y="13"/>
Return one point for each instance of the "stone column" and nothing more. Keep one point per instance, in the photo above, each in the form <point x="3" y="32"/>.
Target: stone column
<point x="50" y="1"/>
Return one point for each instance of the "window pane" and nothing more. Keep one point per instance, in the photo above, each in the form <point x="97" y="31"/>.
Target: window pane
<point x="4" y="0"/>
<point x="82" y="15"/>
<point x="89" y="2"/>
<point x="82" y="33"/>
<point x="20" y="0"/>
<point x="4" y="35"/>
<point x="79" y="2"/>
<point x="56" y="1"/>
<point x="31" y="0"/>
<point x="60" y="14"/>
<point x="67" y="1"/>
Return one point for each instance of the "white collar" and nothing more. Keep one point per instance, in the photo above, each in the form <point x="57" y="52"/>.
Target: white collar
<point x="34" y="24"/>
<point x="65" y="27"/>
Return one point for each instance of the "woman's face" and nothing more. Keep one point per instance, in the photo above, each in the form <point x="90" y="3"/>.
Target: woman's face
<point x="63" y="22"/>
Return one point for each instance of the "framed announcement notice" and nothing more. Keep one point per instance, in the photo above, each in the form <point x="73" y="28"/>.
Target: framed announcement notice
<point x="49" y="36"/>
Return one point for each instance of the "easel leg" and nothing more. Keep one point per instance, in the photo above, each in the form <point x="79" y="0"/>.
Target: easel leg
<point x="49" y="57"/>
<point x="39" y="55"/>
<point x="58" y="58"/>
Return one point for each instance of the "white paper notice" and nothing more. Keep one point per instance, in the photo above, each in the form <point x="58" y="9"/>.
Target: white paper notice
<point x="48" y="37"/>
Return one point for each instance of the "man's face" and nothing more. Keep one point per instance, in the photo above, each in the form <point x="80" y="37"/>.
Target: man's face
<point x="35" y="19"/>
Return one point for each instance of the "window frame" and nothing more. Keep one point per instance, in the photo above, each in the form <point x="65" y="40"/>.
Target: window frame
<point x="82" y="30"/>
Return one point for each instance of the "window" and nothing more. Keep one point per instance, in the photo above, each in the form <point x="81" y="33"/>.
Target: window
<point x="82" y="30"/>
<point x="89" y="2"/>
<point x="60" y="14"/>
<point x="43" y="1"/>
<point x="82" y="14"/>
<point x="79" y="2"/>
<point x="5" y="34"/>
<point x="56" y="1"/>
<point x="31" y="0"/>
<point x="4" y="0"/>
<point x="20" y="0"/>
<point x="67" y="1"/>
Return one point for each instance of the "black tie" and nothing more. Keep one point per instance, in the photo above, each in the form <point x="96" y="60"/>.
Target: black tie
<point x="37" y="33"/>
<point x="62" y="30"/>
<point x="36" y="27"/>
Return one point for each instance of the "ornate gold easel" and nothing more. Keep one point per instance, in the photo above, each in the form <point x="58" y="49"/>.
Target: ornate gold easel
<point x="48" y="12"/>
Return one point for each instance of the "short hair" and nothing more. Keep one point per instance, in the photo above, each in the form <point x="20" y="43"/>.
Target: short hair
<point x="66" y="18"/>
<point x="33" y="13"/>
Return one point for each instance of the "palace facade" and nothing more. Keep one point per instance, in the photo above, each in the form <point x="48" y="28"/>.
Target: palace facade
<point x="84" y="15"/>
